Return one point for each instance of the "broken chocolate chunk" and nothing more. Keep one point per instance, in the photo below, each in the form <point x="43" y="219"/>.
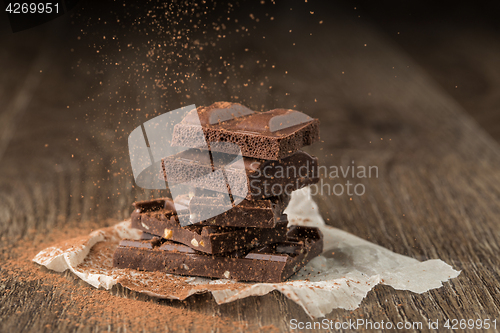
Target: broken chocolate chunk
<point x="205" y="238"/>
<point x="270" y="263"/>
<point x="270" y="135"/>
<point x="245" y="177"/>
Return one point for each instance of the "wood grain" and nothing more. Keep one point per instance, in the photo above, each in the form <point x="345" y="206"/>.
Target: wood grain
<point x="436" y="196"/>
<point x="462" y="59"/>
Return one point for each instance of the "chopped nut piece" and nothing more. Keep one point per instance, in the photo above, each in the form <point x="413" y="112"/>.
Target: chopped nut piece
<point x="227" y="274"/>
<point x="194" y="242"/>
<point x="202" y="243"/>
<point x="145" y="226"/>
<point x="167" y="234"/>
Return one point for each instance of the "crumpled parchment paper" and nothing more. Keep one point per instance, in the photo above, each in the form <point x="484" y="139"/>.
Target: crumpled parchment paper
<point x="340" y="278"/>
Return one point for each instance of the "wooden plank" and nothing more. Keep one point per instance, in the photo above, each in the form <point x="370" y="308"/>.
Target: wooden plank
<point x="463" y="59"/>
<point x="435" y="198"/>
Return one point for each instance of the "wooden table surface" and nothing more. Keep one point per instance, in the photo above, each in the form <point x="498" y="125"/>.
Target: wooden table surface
<point x="63" y="159"/>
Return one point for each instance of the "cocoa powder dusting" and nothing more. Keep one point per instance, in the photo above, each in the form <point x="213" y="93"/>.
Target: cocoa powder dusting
<point x="65" y="302"/>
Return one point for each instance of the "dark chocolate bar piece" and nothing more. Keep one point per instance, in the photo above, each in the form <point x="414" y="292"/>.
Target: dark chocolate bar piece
<point x="207" y="208"/>
<point x="270" y="263"/>
<point x="158" y="217"/>
<point x="246" y="177"/>
<point x="248" y="213"/>
<point x="269" y="135"/>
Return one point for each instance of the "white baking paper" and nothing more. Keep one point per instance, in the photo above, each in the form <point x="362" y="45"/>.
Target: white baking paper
<point x="340" y="278"/>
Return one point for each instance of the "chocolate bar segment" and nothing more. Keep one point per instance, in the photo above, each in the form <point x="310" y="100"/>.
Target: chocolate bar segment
<point x="157" y="204"/>
<point x="209" y="208"/>
<point x="209" y="239"/>
<point x="270" y="263"/>
<point x="269" y="135"/>
<point x="217" y="113"/>
<point x="257" y="178"/>
<point x="248" y="213"/>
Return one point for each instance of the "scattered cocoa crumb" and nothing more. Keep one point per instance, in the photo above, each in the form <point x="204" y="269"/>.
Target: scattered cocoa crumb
<point x="61" y="301"/>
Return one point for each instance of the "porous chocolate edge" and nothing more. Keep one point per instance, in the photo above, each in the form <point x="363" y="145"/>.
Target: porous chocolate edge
<point x="251" y="145"/>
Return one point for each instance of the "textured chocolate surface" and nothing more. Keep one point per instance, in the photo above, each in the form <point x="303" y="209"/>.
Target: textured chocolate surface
<point x="256" y="180"/>
<point x="248" y="213"/>
<point x="153" y="218"/>
<point x="270" y="263"/>
<point x="270" y="135"/>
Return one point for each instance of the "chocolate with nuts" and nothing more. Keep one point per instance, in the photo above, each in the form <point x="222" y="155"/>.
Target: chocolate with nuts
<point x="269" y="263"/>
<point x="158" y="217"/>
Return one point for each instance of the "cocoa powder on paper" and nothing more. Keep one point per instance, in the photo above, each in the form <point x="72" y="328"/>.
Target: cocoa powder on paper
<point x="62" y="301"/>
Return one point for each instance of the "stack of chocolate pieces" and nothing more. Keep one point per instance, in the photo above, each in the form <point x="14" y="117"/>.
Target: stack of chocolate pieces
<point x="230" y="184"/>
